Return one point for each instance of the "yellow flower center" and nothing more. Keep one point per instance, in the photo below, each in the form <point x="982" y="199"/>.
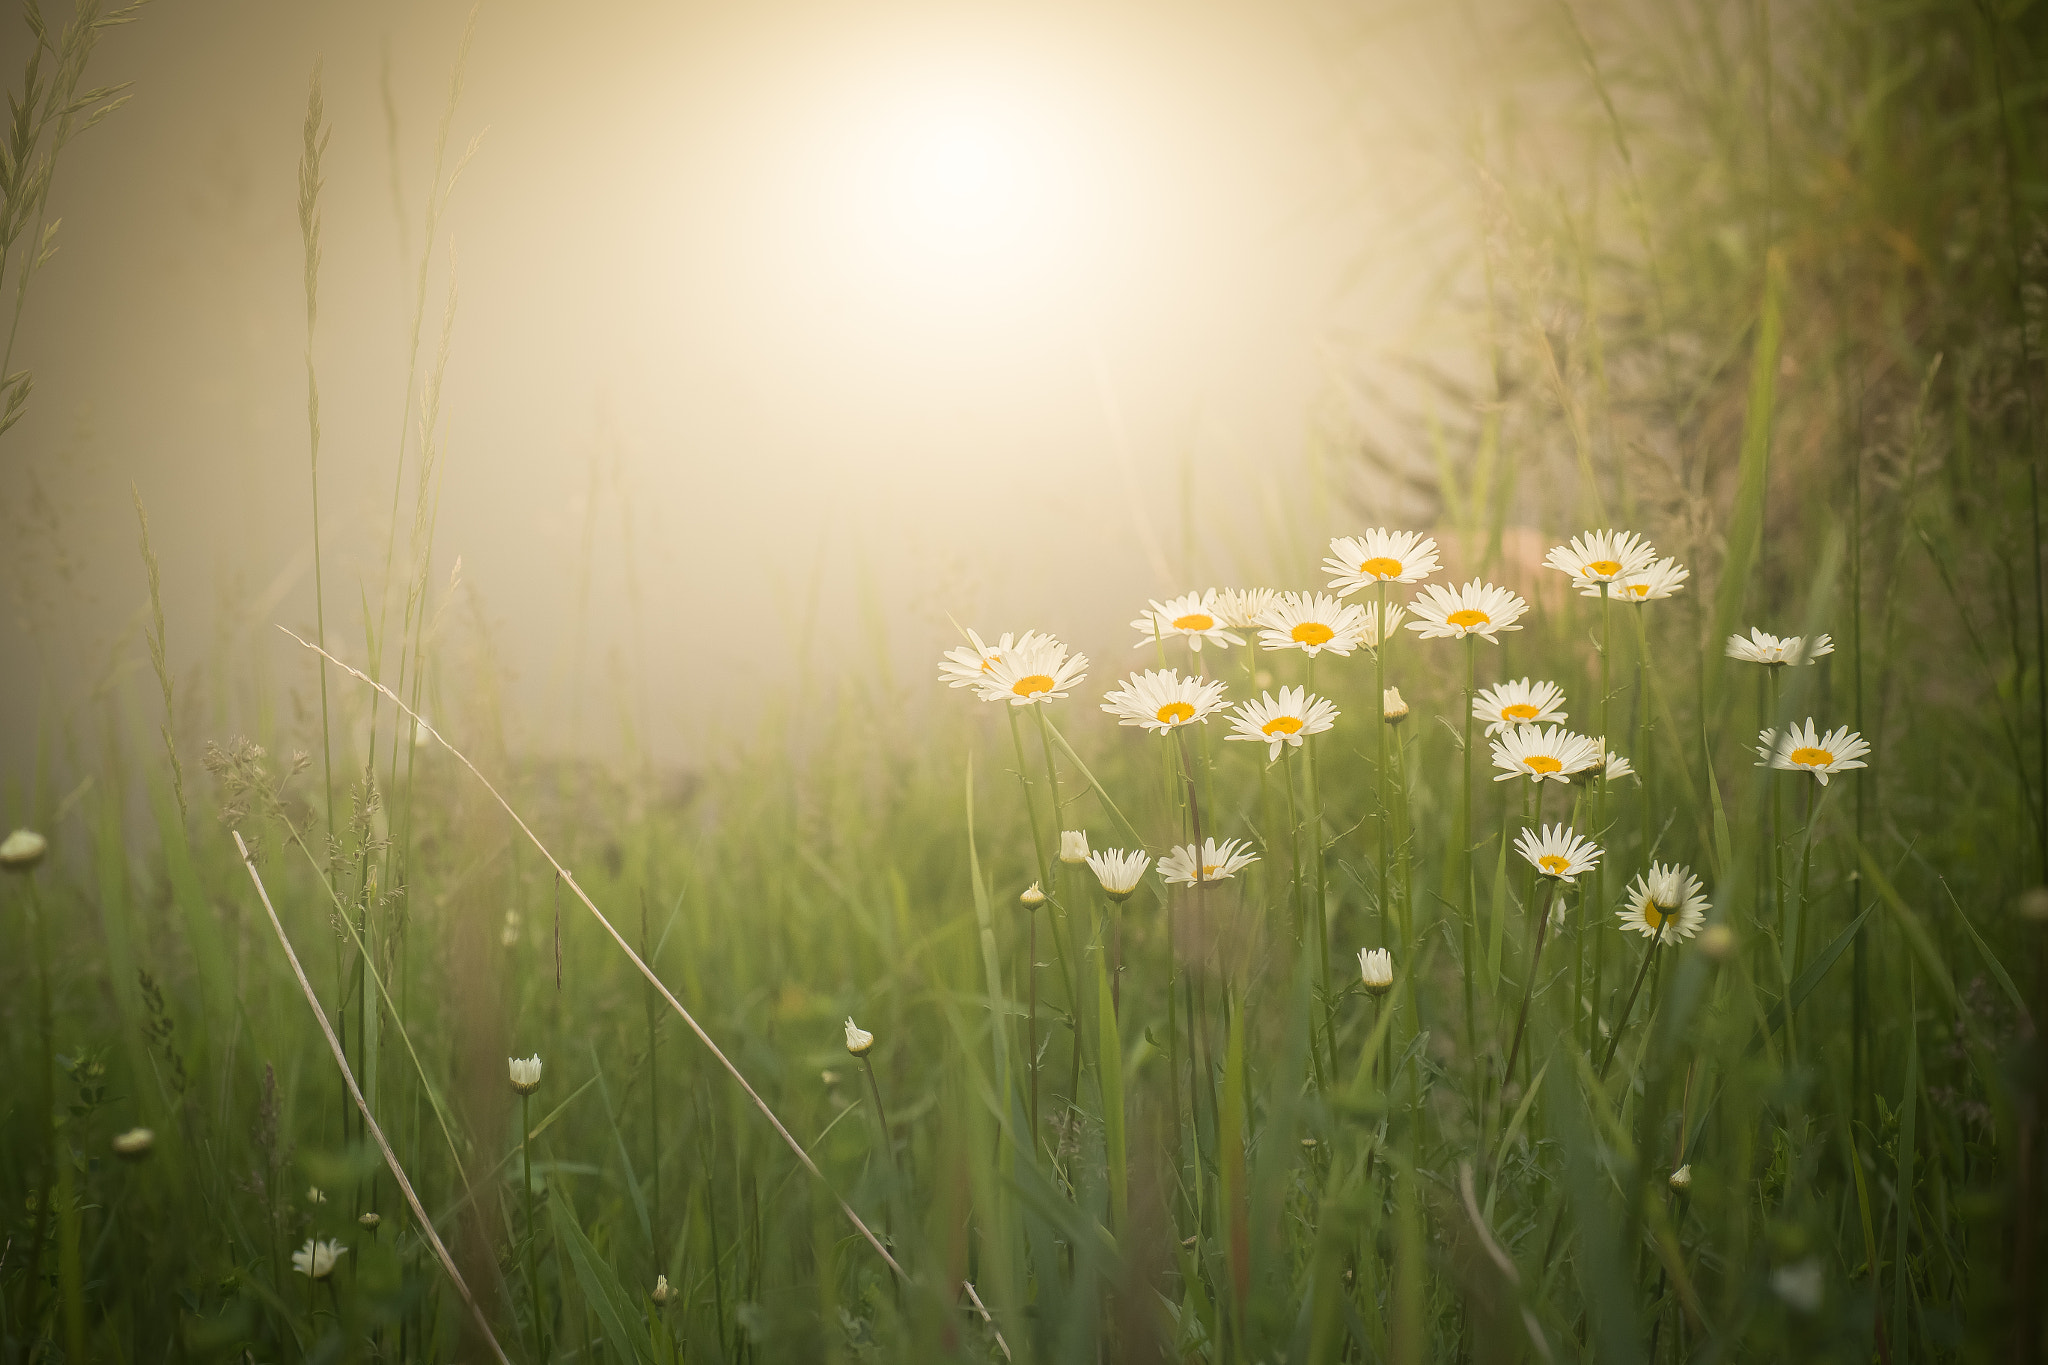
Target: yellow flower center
<point x="1554" y="863"/>
<point x="1637" y="589"/>
<point x="1174" y="712"/>
<point x="1031" y="686"/>
<point x="1542" y="763"/>
<point x="1313" y="633"/>
<point x="1210" y="869"/>
<point x="1656" y="916"/>
<point x="1521" y="710"/>
<point x="1811" y="758"/>
<point x="990" y="661"/>
<point x="1468" y="617"/>
<point x="1604" y="568"/>
<point x="1194" y="621"/>
<point x="1284" y="725"/>
<point x="1379" y="566"/>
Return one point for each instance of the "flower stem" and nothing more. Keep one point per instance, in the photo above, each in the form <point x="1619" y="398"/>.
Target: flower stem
<point x="1379" y="694"/>
<point x="1599" y="830"/>
<point x="1614" y="1040"/>
<point x="540" y="1346"/>
<point x="1468" y="892"/>
<point x="881" y="1114"/>
<point x="1528" y="988"/>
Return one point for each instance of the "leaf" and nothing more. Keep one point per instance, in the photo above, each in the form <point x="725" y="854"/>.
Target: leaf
<point x="1745" y="527"/>
<point x="1810" y="978"/>
<point x="1110" y="1076"/>
<point x="1997" y="968"/>
<point x="602" y="1292"/>
<point x="1230" y="1136"/>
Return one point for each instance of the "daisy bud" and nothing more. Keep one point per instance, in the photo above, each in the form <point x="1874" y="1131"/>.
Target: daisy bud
<point x="1032" y="897"/>
<point x="1393" y="707"/>
<point x="134" y="1144"/>
<point x="371" y="1220"/>
<point x="1681" y="1179"/>
<point x="1073" y="845"/>
<point x="2033" y="905"/>
<point x="1376" y="970"/>
<point x="525" y="1073"/>
<point x="1717" y="943"/>
<point x="22" y="850"/>
<point x="315" y="1195"/>
<point x="662" y="1293"/>
<point x="858" y="1040"/>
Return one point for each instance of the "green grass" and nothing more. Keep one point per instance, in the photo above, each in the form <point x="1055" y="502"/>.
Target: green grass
<point x="1769" y="313"/>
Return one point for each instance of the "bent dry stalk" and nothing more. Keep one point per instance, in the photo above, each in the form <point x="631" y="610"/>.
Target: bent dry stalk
<point x="803" y="1157"/>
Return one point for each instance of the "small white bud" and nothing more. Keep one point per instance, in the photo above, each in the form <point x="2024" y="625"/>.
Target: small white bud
<point x="315" y="1195"/>
<point x="2033" y="905"/>
<point x="22" y="850"/>
<point x="1073" y="845"/>
<point x="662" y="1293"/>
<point x="134" y="1144"/>
<point x="858" y="1040"/>
<point x="1681" y="1179"/>
<point x="371" y="1219"/>
<point x="1717" y="943"/>
<point x="1392" y="707"/>
<point x="1032" y="897"/>
<point x="525" y="1073"/>
<point x="1376" y="970"/>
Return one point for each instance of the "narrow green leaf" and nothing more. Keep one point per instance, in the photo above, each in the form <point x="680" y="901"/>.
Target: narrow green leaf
<point x="1745" y="526"/>
<point x="1110" y="1077"/>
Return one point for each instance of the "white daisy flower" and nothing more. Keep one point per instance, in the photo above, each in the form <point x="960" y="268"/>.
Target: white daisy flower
<point x="1119" y="871"/>
<point x="858" y="1039"/>
<point x="1602" y="557"/>
<point x="1764" y="648"/>
<point x="1804" y="749"/>
<point x="1037" y="669"/>
<point x="1241" y="608"/>
<point x="1557" y="852"/>
<point x="1292" y="718"/>
<point x="1193" y="616"/>
<point x="1476" y="609"/>
<point x="1162" y="700"/>
<point x="1652" y="583"/>
<point x="1617" y="768"/>
<point x="1540" y="751"/>
<point x="1370" y="632"/>
<point x="1376" y="970"/>
<point x="1518" y="703"/>
<point x="1392" y="707"/>
<point x="969" y="665"/>
<point x="1073" y="845"/>
<point x="1312" y="623"/>
<point x="1667" y="903"/>
<point x="525" y="1073"/>
<point x="1218" y="861"/>
<point x="1379" y="556"/>
<point x="316" y="1259"/>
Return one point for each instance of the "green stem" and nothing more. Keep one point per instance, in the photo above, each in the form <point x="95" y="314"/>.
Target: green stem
<point x="540" y="1341"/>
<point x="1379" y="694"/>
<point x="1614" y="1039"/>
<point x="1528" y="989"/>
<point x="1468" y="892"/>
<point x="1599" y="830"/>
<point x="46" y="1121"/>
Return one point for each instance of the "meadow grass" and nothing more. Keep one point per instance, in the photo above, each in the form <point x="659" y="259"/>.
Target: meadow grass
<point x="1783" y="321"/>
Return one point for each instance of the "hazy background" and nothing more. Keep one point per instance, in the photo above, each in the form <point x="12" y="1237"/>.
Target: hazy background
<point x="773" y="322"/>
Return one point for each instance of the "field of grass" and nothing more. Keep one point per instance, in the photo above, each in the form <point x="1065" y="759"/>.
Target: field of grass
<point x="1764" y="287"/>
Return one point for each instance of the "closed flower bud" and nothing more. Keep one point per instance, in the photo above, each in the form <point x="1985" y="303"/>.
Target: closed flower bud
<point x="371" y="1219"/>
<point x="1393" y="707"/>
<point x="1376" y="970"/>
<point x="858" y="1040"/>
<point x="134" y="1144"/>
<point x="662" y="1293"/>
<point x="1032" y="897"/>
<point x="525" y="1073"/>
<point x="315" y="1195"/>
<point x="22" y="850"/>
<point x="1073" y="845"/>
<point x="1681" y="1179"/>
<point x="1717" y="943"/>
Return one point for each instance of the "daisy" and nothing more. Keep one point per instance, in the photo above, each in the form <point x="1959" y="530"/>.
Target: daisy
<point x="1287" y="721"/>
<point x="1241" y="608"/>
<point x="1376" y="970"/>
<point x="1557" y="852"/>
<point x="524" y="1073"/>
<point x="1379" y="556"/>
<point x="1537" y="752"/>
<point x="1518" y="703"/>
<point x="316" y="1259"/>
<point x="969" y="667"/>
<point x="1764" y="648"/>
<point x="1218" y="861"/>
<point x="1119" y="871"/>
<point x="1370" y="633"/>
<point x="1073" y="845"/>
<point x="858" y="1039"/>
<point x="1162" y="700"/>
<point x="1667" y="903"/>
<point x="1805" y="749"/>
<point x="1312" y="623"/>
<point x="1475" y="609"/>
<point x="1617" y="768"/>
<point x="1192" y="616"/>
<point x="1037" y="669"/>
<point x="1652" y="583"/>
<point x="1602" y="557"/>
